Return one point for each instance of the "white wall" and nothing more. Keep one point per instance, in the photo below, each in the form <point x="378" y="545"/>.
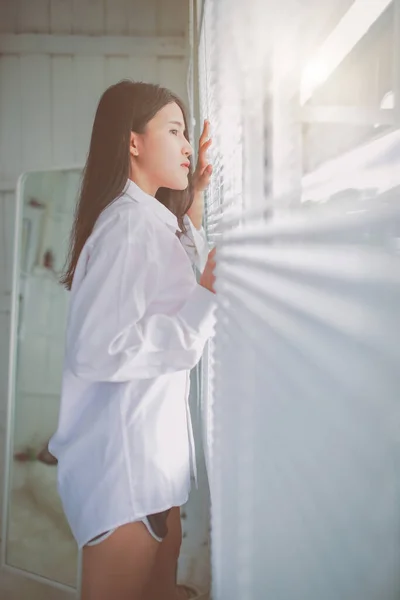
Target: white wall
<point x="50" y="82"/>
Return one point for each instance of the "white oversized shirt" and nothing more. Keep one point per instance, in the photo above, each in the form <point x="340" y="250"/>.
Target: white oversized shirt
<point x="138" y="322"/>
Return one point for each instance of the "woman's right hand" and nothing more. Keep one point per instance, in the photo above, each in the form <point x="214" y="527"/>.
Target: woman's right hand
<point x="207" y="279"/>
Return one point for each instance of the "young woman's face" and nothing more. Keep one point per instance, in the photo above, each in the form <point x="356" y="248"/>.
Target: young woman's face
<point x="160" y="155"/>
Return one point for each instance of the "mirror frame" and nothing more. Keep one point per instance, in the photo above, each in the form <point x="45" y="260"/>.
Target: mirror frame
<point x="10" y="399"/>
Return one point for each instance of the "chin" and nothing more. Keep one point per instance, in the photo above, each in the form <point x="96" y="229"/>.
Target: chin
<point x="178" y="184"/>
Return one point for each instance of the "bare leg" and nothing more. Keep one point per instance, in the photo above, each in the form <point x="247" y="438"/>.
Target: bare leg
<point x="162" y="582"/>
<point x="120" y="566"/>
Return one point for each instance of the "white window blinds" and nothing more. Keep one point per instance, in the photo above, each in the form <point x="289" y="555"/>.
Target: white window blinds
<point x="303" y="383"/>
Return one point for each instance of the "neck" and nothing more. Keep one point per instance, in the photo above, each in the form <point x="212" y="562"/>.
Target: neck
<point x="143" y="182"/>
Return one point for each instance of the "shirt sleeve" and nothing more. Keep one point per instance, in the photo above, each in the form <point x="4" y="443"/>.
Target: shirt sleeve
<point x="195" y="243"/>
<point x="111" y="338"/>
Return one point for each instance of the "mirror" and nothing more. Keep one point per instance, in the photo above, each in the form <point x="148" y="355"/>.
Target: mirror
<point x="37" y="537"/>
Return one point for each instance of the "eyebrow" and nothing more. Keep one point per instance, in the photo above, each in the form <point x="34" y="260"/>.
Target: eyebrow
<point x="177" y="123"/>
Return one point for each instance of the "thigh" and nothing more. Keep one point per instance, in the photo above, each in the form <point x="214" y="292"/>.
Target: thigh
<point x="120" y="566"/>
<point x="162" y="582"/>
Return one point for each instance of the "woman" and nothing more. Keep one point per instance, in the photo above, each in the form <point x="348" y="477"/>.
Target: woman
<point x="138" y="322"/>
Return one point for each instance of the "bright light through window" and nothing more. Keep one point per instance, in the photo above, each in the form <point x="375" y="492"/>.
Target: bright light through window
<point x="315" y="73"/>
<point x="353" y="26"/>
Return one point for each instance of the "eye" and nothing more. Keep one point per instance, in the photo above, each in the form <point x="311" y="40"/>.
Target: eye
<point x="174" y="131"/>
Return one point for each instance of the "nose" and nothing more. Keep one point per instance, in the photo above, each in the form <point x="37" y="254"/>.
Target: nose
<point x="187" y="149"/>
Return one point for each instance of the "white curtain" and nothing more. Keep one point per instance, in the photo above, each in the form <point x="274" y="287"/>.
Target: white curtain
<point x="302" y="395"/>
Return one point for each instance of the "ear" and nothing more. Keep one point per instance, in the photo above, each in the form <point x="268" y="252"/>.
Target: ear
<point x="133" y="146"/>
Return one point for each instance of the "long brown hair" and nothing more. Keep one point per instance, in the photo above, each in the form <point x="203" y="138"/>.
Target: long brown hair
<point x="124" y="107"/>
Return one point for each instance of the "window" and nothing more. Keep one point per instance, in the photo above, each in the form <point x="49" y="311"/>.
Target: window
<point x="302" y="377"/>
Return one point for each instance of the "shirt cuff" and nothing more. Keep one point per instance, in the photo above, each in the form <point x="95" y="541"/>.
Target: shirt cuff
<point x="199" y="311"/>
<point x="200" y="242"/>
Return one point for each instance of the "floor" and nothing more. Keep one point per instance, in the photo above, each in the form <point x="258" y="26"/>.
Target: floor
<point x="37" y="544"/>
<point x="38" y="539"/>
<point x="12" y="588"/>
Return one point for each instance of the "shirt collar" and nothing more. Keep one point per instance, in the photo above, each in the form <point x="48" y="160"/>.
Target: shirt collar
<point x="163" y="213"/>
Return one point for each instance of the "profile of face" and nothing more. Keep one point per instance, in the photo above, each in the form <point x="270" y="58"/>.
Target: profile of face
<point x="159" y="156"/>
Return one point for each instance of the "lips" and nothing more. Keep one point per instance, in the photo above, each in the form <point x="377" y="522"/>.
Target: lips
<point x="187" y="165"/>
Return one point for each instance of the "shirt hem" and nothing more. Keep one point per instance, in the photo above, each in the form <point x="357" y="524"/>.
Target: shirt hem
<point x="124" y="521"/>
